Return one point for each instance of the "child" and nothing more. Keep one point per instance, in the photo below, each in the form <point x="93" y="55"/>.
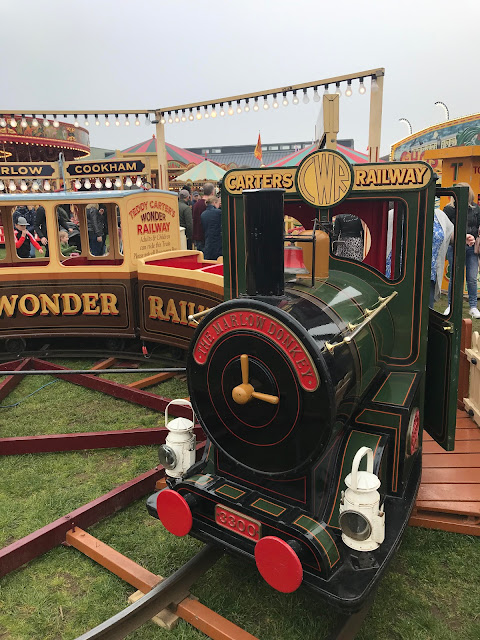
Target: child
<point x="24" y="239"/>
<point x="65" y="248"/>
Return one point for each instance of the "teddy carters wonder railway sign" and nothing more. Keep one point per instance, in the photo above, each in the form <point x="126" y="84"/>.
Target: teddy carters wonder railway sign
<point x="324" y="178"/>
<point x="153" y="224"/>
<point x="264" y="324"/>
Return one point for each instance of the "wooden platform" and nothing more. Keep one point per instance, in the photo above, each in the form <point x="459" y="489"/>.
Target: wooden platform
<point x="449" y="496"/>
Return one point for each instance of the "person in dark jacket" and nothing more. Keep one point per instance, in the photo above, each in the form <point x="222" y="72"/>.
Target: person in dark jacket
<point x="212" y="227"/>
<point x="63" y="217"/>
<point x="41" y="227"/>
<point x="185" y="215"/>
<point x="199" y="207"/>
<point x="471" y="258"/>
<point x="96" y="229"/>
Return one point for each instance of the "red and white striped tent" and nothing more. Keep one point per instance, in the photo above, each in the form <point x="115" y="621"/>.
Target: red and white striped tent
<point x="294" y="159"/>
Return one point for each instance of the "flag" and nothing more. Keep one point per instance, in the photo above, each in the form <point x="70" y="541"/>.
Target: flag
<point x="258" y="149"/>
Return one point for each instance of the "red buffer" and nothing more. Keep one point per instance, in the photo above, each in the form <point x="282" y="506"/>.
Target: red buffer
<point x="174" y="512"/>
<point x="278" y="564"/>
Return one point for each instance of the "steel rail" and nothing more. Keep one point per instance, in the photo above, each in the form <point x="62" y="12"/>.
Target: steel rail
<point x="172" y="590"/>
<point x="93" y="353"/>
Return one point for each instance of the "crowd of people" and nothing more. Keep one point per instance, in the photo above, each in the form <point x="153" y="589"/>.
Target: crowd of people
<point x="201" y="217"/>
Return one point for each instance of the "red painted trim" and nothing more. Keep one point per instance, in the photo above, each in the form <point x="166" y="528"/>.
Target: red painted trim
<point x="18" y="553"/>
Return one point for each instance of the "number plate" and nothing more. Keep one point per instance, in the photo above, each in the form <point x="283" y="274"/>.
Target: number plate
<point x="238" y="523"/>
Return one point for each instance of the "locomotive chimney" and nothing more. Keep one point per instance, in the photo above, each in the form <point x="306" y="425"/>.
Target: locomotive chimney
<point x="264" y="241"/>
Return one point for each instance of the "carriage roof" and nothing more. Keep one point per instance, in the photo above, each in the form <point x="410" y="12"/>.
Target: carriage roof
<point x="77" y="196"/>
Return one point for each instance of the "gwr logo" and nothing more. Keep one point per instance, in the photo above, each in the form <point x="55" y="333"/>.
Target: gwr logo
<point x="324" y="178"/>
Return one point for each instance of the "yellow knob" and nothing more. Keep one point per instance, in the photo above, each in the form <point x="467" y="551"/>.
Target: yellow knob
<point x="242" y="394"/>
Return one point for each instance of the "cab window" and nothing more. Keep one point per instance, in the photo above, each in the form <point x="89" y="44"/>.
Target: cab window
<point x="372" y="232"/>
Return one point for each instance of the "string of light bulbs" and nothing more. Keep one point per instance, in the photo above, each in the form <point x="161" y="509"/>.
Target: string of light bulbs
<point x="47" y="185"/>
<point x="232" y="107"/>
<point x="220" y="107"/>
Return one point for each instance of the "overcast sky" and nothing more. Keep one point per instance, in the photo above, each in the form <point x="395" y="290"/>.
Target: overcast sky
<point x="104" y="54"/>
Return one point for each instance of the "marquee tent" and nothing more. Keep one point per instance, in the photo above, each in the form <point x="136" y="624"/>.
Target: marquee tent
<point x="294" y="159"/>
<point x="201" y="173"/>
<point x="174" y="154"/>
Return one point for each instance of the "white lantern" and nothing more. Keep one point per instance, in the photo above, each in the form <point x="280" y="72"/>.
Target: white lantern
<point x="177" y="455"/>
<point x="361" y="519"/>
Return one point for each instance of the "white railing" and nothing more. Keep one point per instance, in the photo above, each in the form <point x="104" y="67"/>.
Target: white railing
<point x="472" y="403"/>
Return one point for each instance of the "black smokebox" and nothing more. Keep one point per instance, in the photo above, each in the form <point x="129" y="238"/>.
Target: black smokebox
<point x="264" y="241"/>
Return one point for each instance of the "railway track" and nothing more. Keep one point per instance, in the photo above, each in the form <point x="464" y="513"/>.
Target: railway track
<point x="47" y="351"/>
<point x="172" y="590"/>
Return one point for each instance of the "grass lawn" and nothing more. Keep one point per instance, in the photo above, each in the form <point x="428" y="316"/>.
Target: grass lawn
<point x="431" y="591"/>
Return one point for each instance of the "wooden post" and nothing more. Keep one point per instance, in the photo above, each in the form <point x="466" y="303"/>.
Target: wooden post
<point x="161" y="154"/>
<point x="331" y="119"/>
<point x="374" y="133"/>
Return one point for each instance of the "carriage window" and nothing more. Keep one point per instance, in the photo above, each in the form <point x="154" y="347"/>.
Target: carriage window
<point x="28" y="230"/>
<point x="69" y="234"/>
<point x="89" y="233"/>
<point x="372" y="232"/>
<point x="119" y="228"/>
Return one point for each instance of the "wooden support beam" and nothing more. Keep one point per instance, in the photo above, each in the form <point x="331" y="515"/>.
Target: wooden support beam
<point x="104" y="364"/>
<point x="10" y="382"/>
<point x="149" y="382"/>
<point x="80" y="441"/>
<point x="112" y="560"/>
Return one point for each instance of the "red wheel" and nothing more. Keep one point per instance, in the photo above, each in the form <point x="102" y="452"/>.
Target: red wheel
<point x="174" y="512"/>
<point x="278" y="564"/>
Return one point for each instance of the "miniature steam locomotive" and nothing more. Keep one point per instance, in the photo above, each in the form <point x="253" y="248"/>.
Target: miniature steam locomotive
<point x="314" y="393"/>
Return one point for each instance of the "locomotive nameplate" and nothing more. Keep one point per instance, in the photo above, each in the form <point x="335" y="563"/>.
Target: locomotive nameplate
<point x="237" y="522"/>
<point x="259" y="323"/>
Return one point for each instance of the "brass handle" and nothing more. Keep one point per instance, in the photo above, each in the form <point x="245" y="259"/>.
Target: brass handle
<point x="448" y="327"/>
<point x="266" y="397"/>
<point x="200" y="314"/>
<point x="244" y="365"/>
